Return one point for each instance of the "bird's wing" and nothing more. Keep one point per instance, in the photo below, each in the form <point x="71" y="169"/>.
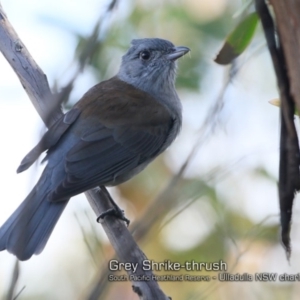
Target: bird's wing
<point x="50" y="138"/>
<point x="120" y="128"/>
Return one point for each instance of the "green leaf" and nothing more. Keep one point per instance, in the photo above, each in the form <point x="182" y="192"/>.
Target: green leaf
<point x="238" y="40"/>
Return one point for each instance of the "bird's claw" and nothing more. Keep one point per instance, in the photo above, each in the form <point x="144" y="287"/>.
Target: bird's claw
<point x="115" y="212"/>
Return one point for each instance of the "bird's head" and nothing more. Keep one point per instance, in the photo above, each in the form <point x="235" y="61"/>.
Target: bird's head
<point x="150" y="65"/>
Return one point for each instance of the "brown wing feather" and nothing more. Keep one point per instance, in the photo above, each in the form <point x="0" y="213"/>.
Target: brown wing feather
<point x="111" y="144"/>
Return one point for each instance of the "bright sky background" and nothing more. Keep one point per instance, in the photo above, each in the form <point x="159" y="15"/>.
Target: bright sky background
<point x="20" y="126"/>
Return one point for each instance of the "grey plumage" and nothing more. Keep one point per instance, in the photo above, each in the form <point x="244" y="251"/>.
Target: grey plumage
<point x="116" y="129"/>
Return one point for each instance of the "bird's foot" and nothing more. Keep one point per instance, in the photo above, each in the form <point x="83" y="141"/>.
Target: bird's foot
<point x="115" y="212"/>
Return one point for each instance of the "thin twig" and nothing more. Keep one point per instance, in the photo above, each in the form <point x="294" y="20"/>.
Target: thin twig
<point x="14" y="281"/>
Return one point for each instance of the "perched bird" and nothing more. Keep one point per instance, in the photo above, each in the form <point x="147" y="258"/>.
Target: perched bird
<point x="115" y="130"/>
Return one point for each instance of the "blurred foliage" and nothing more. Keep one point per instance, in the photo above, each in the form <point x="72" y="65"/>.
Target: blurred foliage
<point x="152" y="21"/>
<point x="171" y="20"/>
<point x="228" y="230"/>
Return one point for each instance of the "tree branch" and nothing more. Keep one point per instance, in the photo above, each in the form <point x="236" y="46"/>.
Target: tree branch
<point x="289" y="177"/>
<point x="35" y="83"/>
<point x="287" y="15"/>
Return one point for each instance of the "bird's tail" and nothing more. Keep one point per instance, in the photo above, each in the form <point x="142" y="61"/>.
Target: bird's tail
<point x="28" y="229"/>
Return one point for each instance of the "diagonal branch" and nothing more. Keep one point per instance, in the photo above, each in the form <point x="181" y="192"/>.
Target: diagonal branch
<point x="32" y="78"/>
<point x="36" y="85"/>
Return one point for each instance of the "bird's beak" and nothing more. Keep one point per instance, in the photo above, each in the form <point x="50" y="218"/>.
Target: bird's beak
<point x="177" y="52"/>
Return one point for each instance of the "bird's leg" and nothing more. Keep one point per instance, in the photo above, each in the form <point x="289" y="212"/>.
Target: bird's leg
<point x="116" y="211"/>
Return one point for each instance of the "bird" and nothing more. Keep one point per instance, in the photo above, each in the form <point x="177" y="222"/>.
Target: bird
<point x="111" y="134"/>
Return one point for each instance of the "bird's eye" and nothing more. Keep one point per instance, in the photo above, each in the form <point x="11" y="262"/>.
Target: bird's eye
<point x="145" y="55"/>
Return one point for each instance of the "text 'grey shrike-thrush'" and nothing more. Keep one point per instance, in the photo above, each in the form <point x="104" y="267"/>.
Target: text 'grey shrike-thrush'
<point x="116" y="129"/>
